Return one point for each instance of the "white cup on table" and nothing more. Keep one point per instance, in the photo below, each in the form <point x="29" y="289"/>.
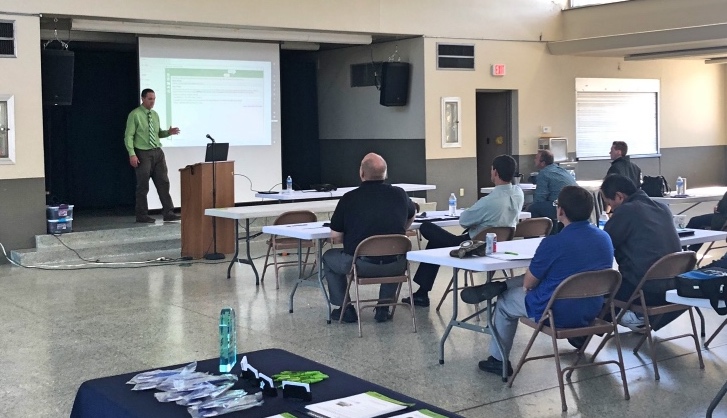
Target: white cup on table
<point x="680" y="221"/>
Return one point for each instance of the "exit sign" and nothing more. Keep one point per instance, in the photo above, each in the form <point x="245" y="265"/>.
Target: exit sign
<point x="498" y="70"/>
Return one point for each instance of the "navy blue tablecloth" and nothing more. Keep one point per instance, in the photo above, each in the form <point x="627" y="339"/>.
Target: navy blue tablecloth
<point x="111" y="397"/>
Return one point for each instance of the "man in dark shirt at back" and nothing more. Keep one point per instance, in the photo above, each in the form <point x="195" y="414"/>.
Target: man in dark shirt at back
<point x="621" y="163"/>
<point x="374" y="208"/>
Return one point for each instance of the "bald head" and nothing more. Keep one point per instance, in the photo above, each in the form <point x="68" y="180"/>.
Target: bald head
<point x="373" y="167"/>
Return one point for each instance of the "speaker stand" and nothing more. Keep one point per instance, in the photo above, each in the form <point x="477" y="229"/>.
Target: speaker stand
<point x="214" y="255"/>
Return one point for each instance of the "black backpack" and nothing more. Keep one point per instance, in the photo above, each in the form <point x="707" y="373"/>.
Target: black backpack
<point x="655" y="186"/>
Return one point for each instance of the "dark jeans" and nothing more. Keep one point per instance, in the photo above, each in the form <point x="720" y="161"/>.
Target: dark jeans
<point x="438" y="238"/>
<point x="545" y="210"/>
<point x="699" y="222"/>
<point x="337" y="264"/>
<point x="152" y="164"/>
<point x="651" y="299"/>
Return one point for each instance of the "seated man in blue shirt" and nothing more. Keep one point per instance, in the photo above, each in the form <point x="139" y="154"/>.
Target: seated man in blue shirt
<point x="550" y="181"/>
<point x="499" y="208"/>
<point x="579" y="247"/>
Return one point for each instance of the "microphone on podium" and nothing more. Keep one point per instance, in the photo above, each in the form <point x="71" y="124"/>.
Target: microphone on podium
<point x="210" y="138"/>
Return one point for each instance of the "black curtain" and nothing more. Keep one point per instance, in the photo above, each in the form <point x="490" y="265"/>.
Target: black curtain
<point x="86" y="162"/>
<point x="300" y="146"/>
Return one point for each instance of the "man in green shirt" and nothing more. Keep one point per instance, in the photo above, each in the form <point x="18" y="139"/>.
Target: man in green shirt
<point x="146" y="156"/>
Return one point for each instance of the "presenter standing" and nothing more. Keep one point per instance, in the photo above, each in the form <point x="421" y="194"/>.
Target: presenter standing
<point x="146" y="156"/>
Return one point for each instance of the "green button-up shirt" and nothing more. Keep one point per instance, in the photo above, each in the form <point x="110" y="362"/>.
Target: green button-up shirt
<point x="137" y="130"/>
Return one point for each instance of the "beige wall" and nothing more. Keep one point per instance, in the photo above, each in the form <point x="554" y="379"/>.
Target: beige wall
<point x="20" y="77"/>
<point x="520" y="19"/>
<point x="641" y="16"/>
<point x="692" y="94"/>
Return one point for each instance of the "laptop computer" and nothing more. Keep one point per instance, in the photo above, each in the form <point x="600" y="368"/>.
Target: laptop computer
<point x="217" y="152"/>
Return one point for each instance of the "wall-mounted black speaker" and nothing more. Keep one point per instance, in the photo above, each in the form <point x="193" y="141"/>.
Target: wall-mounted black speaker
<point x="394" y="83"/>
<point x="57" y="76"/>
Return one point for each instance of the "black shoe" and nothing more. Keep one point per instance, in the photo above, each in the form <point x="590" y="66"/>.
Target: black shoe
<point x="492" y="365"/>
<point x="382" y="314"/>
<point x="483" y="292"/>
<point x="577" y="342"/>
<point x="349" y="316"/>
<point x="419" y="300"/>
<point x="145" y="219"/>
<point x="172" y="218"/>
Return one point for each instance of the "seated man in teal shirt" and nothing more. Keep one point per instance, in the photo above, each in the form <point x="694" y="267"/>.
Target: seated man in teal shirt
<point x="579" y="247"/>
<point x="550" y="181"/>
<point x="499" y="208"/>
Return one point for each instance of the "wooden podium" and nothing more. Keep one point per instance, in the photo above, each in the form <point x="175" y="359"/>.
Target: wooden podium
<point x="196" y="197"/>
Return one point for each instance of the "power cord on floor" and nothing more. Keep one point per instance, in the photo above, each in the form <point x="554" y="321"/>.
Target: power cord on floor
<point x="160" y="261"/>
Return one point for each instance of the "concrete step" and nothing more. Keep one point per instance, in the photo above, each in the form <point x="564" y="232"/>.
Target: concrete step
<point x="130" y="242"/>
<point x="108" y="237"/>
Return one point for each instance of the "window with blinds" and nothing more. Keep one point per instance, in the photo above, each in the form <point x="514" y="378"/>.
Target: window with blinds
<point x="613" y="113"/>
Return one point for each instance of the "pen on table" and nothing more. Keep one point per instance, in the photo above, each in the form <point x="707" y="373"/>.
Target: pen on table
<point x="511" y="253"/>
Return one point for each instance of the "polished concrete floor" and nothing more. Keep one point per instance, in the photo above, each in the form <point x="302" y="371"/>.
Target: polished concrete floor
<point x="60" y="328"/>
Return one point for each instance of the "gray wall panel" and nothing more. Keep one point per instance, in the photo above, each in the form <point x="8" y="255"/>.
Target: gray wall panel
<point x="23" y="212"/>
<point x="341" y="158"/>
<point x="702" y="166"/>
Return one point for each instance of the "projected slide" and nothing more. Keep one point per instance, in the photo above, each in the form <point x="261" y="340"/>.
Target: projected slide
<point x="229" y="90"/>
<point x="230" y="100"/>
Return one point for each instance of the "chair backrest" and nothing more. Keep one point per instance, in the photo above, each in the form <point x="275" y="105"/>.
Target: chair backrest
<point x="587" y="284"/>
<point x="534" y="227"/>
<point x="295" y="217"/>
<point x="504" y="233"/>
<point x="382" y="245"/>
<point x="671" y="265"/>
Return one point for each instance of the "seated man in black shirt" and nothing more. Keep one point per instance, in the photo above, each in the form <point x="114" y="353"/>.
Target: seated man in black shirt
<point x="374" y="208"/>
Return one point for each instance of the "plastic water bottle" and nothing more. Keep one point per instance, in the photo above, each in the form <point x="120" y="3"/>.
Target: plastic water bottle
<point x="289" y="185"/>
<point x="680" y="186"/>
<point x="228" y="340"/>
<point x="602" y="220"/>
<point x="452" y="205"/>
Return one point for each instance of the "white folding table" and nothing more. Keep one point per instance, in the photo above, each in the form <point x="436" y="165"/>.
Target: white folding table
<point x="694" y="197"/>
<point x="260" y="211"/>
<point x="313" y="194"/>
<point x="317" y="231"/>
<point x="524" y="250"/>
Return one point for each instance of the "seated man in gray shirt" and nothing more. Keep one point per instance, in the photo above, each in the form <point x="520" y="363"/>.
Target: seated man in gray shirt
<point x="499" y="208"/>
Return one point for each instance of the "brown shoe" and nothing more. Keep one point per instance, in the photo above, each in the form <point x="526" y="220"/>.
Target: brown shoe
<point x="172" y="218"/>
<point x="146" y="219"/>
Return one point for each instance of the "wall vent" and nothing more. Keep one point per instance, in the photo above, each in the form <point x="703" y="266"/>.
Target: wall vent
<point x="7" y="38"/>
<point x="455" y="56"/>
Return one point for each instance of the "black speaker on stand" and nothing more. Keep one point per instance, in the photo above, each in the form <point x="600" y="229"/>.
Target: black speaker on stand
<point x="57" y="76"/>
<point x="214" y="255"/>
<point x="394" y="83"/>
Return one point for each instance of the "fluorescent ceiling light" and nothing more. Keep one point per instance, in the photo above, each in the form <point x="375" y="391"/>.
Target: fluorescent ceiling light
<point x="218" y="32"/>
<point x="681" y="53"/>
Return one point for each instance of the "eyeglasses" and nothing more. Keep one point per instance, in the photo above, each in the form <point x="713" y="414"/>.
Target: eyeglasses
<point x="555" y="203"/>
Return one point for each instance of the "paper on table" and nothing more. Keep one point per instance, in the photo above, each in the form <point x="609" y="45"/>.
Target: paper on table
<point x="283" y="415"/>
<point x="502" y="255"/>
<point x="364" y="405"/>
